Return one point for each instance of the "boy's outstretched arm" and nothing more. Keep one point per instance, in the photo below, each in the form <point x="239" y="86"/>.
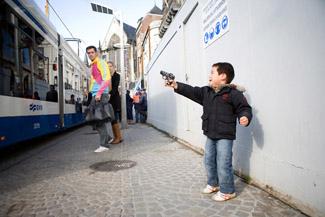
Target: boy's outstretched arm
<point x="172" y="84"/>
<point x="193" y="93"/>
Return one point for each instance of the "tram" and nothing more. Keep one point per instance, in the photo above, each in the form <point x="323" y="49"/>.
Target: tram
<point x="43" y="83"/>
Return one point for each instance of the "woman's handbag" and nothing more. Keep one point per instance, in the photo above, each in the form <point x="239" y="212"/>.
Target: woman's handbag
<point x="99" y="113"/>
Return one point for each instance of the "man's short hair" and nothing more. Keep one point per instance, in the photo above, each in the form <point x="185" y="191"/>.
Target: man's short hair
<point x="91" y="47"/>
<point x="227" y="69"/>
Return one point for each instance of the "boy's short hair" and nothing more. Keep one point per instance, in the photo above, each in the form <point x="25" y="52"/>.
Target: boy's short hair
<point x="91" y="47"/>
<point x="226" y="68"/>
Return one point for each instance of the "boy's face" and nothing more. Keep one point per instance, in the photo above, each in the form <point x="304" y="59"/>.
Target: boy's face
<point x="215" y="79"/>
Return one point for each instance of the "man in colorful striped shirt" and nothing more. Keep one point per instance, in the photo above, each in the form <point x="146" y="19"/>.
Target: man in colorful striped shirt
<point x="100" y="83"/>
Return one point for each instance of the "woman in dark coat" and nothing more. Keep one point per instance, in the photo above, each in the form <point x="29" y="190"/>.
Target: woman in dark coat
<point x="129" y="105"/>
<point x="115" y="100"/>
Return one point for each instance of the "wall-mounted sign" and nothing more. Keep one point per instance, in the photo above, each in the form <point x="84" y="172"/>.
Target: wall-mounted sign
<point x="215" y="21"/>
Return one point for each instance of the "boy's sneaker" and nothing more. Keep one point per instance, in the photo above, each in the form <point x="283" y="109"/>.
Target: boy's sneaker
<point x="222" y="197"/>
<point x="101" y="149"/>
<point x="209" y="189"/>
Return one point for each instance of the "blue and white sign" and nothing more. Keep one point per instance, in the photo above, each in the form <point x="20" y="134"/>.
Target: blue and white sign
<point x="206" y="37"/>
<point x="211" y="33"/>
<point x="218" y="28"/>
<point x="215" y="21"/>
<point x="224" y="22"/>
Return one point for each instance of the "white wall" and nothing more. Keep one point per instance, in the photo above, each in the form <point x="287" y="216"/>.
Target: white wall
<point x="278" y="51"/>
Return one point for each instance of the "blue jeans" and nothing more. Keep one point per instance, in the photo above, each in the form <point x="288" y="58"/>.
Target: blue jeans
<point x="218" y="164"/>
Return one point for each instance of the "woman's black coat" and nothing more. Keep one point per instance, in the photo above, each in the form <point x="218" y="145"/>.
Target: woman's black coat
<point x="115" y="98"/>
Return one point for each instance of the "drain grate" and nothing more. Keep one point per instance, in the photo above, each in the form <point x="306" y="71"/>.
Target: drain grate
<point x="113" y="165"/>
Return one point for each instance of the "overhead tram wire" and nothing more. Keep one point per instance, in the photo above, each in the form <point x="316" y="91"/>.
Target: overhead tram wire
<point x="65" y="25"/>
<point x="61" y="20"/>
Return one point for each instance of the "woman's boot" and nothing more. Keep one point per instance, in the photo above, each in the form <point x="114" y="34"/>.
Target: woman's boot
<point x="117" y="134"/>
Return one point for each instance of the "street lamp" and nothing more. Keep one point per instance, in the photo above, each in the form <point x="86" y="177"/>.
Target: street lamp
<point x="107" y="10"/>
<point x="118" y="46"/>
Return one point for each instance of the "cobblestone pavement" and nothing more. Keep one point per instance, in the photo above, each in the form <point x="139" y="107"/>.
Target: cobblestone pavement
<point x="147" y="175"/>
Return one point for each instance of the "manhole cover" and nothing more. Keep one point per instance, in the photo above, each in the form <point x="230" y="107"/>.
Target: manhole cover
<point x="113" y="165"/>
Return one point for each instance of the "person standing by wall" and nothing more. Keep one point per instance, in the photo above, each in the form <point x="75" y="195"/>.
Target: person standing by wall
<point x="129" y="105"/>
<point x="143" y="106"/>
<point x="136" y="101"/>
<point x="115" y="100"/>
<point x="222" y="103"/>
<point x="100" y="80"/>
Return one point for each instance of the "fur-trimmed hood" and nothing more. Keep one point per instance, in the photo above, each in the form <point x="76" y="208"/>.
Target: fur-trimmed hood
<point x="234" y="86"/>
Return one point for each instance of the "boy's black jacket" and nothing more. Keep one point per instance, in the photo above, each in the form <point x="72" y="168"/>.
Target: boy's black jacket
<point x="220" y="109"/>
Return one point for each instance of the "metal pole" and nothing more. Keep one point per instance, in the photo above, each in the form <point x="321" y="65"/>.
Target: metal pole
<point x="78" y="48"/>
<point x="123" y="97"/>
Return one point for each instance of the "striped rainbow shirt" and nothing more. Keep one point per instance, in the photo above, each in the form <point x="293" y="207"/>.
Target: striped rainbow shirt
<point x="100" y="77"/>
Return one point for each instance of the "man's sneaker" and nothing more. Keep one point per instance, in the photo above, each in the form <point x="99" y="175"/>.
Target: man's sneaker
<point x="101" y="149"/>
<point x="222" y="197"/>
<point x="209" y="189"/>
<point x="110" y="141"/>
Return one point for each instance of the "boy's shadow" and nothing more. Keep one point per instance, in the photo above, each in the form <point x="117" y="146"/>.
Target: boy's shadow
<point x="244" y="146"/>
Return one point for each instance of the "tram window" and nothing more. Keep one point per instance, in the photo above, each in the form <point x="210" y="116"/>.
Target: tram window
<point x="25" y="46"/>
<point x="7" y="40"/>
<point x="9" y="79"/>
<point x="25" y="57"/>
<point x="41" y="67"/>
<point x="25" y="43"/>
<point x="28" y="93"/>
<point x="25" y="28"/>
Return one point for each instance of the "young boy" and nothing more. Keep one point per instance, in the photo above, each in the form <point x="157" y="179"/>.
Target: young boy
<point x="222" y="104"/>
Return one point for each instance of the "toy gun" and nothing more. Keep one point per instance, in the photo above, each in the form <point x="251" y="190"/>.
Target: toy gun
<point x="167" y="76"/>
